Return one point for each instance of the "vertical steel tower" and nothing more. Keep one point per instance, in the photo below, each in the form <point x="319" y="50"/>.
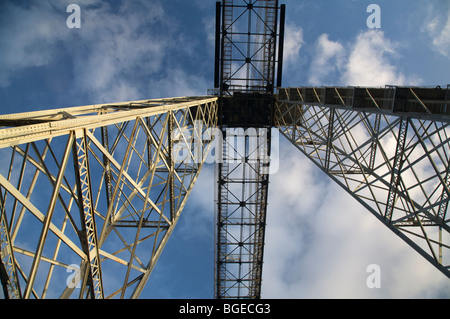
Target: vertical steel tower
<point x="90" y="195"/>
<point x="247" y="34"/>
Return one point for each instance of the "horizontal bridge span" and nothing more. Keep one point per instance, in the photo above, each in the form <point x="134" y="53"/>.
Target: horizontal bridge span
<point x="416" y="102"/>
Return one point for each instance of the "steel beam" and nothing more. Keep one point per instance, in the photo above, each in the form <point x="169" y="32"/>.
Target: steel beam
<point x="88" y="233"/>
<point x="128" y="183"/>
<point x="397" y="166"/>
<point x="241" y="213"/>
<point x="48" y="218"/>
<point x="400" y="175"/>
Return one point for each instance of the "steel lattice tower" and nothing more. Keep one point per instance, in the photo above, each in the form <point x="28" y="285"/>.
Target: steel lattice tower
<point x="103" y="186"/>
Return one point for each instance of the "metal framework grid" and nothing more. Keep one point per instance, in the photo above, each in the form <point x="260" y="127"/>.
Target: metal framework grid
<point x="96" y="191"/>
<point x="387" y="147"/>
<point x="241" y="218"/>
<point x="246" y="38"/>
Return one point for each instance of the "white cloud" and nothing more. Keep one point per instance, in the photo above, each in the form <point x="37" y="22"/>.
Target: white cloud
<point x="26" y="38"/>
<point x="366" y="61"/>
<point x="292" y="44"/>
<point x="369" y="62"/>
<point x="319" y="242"/>
<point x="118" y="53"/>
<point x="177" y="82"/>
<point x="329" y="57"/>
<point x="437" y="26"/>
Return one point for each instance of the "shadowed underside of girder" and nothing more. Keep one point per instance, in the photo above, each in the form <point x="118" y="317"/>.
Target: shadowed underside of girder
<point x="387" y="147"/>
<point x="90" y="195"/>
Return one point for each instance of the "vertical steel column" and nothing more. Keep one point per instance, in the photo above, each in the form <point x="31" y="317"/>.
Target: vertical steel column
<point x="281" y="45"/>
<point x="88" y="233"/>
<point x="242" y="205"/>
<point x="396" y="168"/>
<point x="247" y="69"/>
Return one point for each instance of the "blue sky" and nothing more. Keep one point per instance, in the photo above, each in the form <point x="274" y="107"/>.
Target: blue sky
<point x="130" y="50"/>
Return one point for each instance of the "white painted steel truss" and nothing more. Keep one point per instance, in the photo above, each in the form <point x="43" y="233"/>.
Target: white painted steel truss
<point x="90" y="195"/>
